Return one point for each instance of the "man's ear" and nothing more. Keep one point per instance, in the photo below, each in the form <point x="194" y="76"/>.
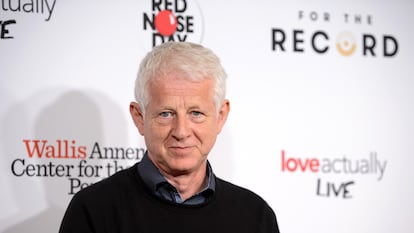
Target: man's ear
<point x="222" y="114"/>
<point x="137" y="116"/>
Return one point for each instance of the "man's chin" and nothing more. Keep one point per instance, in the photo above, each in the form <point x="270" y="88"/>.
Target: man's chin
<point x="181" y="151"/>
<point x="184" y="167"/>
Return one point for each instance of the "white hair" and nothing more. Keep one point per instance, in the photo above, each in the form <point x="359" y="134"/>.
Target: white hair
<point x="189" y="60"/>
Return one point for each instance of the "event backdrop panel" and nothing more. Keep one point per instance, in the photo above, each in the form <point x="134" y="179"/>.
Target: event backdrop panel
<point x="321" y="97"/>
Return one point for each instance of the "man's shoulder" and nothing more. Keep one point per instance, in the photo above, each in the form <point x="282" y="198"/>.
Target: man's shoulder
<point x="236" y="193"/>
<point x="113" y="186"/>
<point x="244" y="203"/>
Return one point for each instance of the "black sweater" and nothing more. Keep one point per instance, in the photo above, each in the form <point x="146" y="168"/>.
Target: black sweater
<point x="122" y="203"/>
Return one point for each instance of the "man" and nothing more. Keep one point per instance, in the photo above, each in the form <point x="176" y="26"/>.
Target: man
<point x="180" y="110"/>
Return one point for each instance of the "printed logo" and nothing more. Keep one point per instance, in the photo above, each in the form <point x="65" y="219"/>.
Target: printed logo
<point x="322" y="41"/>
<point x="14" y="8"/>
<point x="170" y="20"/>
<point x="80" y="165"/>
<point x="346" y="44"/>
<point x="343" y="166"/>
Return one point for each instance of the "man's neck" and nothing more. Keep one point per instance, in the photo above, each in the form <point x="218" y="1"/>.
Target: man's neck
<point x="189" y="184"/>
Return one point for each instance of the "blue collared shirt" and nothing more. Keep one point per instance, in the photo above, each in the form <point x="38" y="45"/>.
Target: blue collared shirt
<point x="157" y="183"/>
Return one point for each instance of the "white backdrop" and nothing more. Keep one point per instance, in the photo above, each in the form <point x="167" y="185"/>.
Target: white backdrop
<point x="325" y="139"/>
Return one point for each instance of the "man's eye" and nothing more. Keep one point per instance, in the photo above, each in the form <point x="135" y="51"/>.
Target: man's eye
<point x="165" y="114"/>
<point x="196" y="113"/>
<point x="198" y="117"/>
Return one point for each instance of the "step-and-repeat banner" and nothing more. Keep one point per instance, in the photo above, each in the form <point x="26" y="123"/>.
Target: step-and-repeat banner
<point x="322" y="104"/>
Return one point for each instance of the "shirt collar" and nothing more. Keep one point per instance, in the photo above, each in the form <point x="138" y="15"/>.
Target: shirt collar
<point x="153" y="178"/>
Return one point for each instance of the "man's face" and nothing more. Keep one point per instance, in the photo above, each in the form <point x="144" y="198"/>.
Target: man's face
<point x="180" y="124"/>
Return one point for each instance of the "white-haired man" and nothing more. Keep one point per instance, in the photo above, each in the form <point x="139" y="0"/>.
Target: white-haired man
<point x="180" y="110"/>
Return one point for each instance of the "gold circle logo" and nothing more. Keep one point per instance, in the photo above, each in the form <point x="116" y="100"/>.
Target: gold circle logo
<point x="345" y="44"/>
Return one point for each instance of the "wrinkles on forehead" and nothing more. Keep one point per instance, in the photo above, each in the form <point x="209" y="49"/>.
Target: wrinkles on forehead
<point x="176" y="87"/>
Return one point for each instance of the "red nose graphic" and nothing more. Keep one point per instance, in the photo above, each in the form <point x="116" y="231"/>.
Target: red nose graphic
<point x="166" y="23"/>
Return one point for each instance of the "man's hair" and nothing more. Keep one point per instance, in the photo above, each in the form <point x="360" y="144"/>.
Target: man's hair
<point x="185" y="59"/>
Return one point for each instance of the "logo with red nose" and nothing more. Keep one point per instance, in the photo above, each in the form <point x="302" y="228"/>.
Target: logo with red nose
<point x="170" y="20"/>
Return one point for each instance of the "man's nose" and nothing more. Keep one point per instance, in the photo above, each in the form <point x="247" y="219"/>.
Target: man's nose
<point x="181" y="128"/>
